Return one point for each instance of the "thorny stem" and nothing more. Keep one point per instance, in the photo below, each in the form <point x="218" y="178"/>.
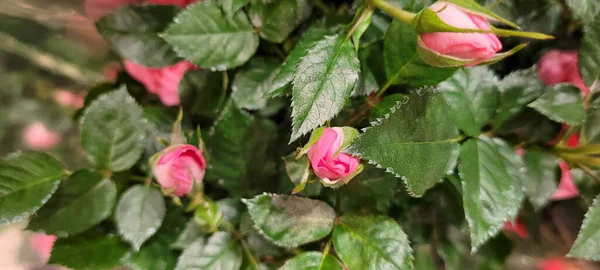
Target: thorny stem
<point x="395" y="12"/>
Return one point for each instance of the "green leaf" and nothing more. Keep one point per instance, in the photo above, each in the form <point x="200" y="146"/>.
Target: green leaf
<point x="371" y="189"/>
<point x="416" y="142"/>
<point x="252" y="82"/>
<point x="202" y="92"/>
<point x="363" y="242"/>
<point x="312" y="260"/>
<point x="139" y="214"/>
<point x="590" y="133"/>
<point x="323" y="81"/>
<point x="584" y="10"/>
<point x="28" y="181"/>
<point x="290" y="221"/>
<point x="586" y="245"/>
<point x="298" y="170"/>
<point x="541" y="177"/>
<point x="221" y="251"/>
<point x="589" y="52"/>
<point x="474" y="7"/>
<point x="403" y="65"/>
<point x="275" y="20"/>
<point x="517" y="89"/>
<point x="191" y="233"/>
<point x="154" y="255"/>
<point x="111" y="130"/>
<point x="386" y="105"/>
<point x="492" y="186"/>
<point x="76" y="209"/>
<point x="214" y="42"/>
<point x="563" y="103"/>
<point x="232" y="6"/>
<point x="237" y="144"/>
<point x="285" y="75"/>
<point x="472" y="96"/>
<point x="133" y="33"/>
<point x="88" y="253"/>
<point x="256" y="242"/>
<point x="371" y="70"/>
<point x="208" y="216"/>
<point x="362" y="20"/>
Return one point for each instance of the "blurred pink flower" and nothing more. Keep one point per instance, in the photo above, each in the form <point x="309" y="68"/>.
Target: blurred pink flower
<point x="68" y="99"/>
<point x="566" y="188"/>
<point x="163" y="82"/>
<point x="96" y="9"/>
<point x="111" y="71"/>
<point x="558" y="263"/>
<point x="43" y="244"/>
<point x="558" y="66"/>
<point x="516" y="227"/>
<point x="37" y="136"/>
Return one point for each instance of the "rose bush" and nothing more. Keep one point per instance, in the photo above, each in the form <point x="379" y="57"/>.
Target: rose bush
<point x="301" y="134"/>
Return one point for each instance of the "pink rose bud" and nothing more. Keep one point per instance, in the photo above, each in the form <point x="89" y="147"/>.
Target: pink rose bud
<point x="561" y="67"/>
<point x="328" y="165"/>
<point x="37" y="136"/>
<point x="472" y="48"/>
<point x="43" y="244"/>
<point x="178" y="166"/>
<point x="68" y="99"/>
<point x="566" y="188"/>
<point x="163" y="82"/>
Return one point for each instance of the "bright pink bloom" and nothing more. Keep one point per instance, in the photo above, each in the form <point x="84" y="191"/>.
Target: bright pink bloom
<point x="561" y="67"/>
<point x="325" y="163"/>
<point x="43" y="244"/>
<point x="68" y="98"/>
<point x="517" y="227"/>
<point x="37" y="136"/>
<point x="477" y="47"/>
<point x="163" y="82"/>
<point x="177" y="166"/>
<point x="566" y="188"/>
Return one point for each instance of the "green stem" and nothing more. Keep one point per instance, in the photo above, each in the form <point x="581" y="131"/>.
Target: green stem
<point x="590" y="172"/>
<point x="586" y="150"/>
<point x="249" y="254"/>
<point x="394" y="11"/>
